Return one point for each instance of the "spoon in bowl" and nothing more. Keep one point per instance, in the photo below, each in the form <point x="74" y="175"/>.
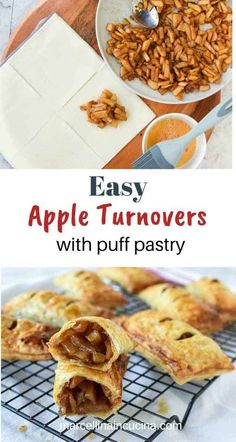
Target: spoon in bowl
<point x="146" y="17"/>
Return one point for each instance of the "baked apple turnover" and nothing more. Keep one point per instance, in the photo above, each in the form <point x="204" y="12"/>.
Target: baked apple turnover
<point x="90" y="341"/>
<point x="216" y="294"/>
<point x="84" y="391"/>
<point x="177" y="348"/>
<point x="179" y="304"/>
<point x="25" y="340"/>
<point x="88" y="287"/>
<point x="52" y="308"/>
<point x="132" y="279"/>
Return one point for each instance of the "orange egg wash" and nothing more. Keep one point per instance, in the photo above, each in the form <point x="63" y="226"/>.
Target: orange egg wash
<point x="170" y="128"/>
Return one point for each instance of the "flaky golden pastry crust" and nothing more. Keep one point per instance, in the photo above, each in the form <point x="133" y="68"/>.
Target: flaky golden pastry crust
<point x="90" y="341"/>
<point x="216" y="294"/>
<point x="89" y="287"/>
<point x="83" y="391"/>
<point x="176" y="347"/>
<point x="51" y="308"/>
<point x="132" y="279"/>
<point x="177" y="303"/>
<point x="121" y="319"/>
<point x="25" y="340"/>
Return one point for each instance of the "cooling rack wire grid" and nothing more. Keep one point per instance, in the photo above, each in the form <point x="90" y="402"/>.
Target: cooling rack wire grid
<point x="149" y="396"/>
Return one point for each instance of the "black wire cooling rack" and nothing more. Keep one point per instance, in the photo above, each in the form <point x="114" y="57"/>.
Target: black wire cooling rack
<point x="149" y="396"/>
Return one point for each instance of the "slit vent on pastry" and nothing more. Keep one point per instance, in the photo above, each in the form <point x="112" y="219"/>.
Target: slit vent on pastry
<point x="217" y="295"/>
<point x="52" y="308"/>
<point x="177" y="348"/>
<point x="90" y="341"/>
<point x="132" y="279"/>
<point x="85" y="391"/>
<point x="25" y="340"/>
<point x="89" y="287"/>
<point x="178" y="303"/>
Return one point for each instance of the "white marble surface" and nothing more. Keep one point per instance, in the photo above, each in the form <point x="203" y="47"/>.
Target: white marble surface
<point x="219" y="149"/>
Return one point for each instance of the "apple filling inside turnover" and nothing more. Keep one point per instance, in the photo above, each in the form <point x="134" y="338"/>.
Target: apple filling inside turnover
<point x="86" y="342"/>
<point x="22" y="339"/>
<point x="31" y="334"/>
<point x="39" y="338"/>
<point x="83" y="396"/>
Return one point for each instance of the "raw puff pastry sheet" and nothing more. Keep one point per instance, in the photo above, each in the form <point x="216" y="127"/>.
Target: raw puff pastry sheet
<point x="56" y="146"/>
<point x="44" y="127"/>
<point x="21" y="117"/>
<point x="109" y="141"/>
<point x="48" y="59"/>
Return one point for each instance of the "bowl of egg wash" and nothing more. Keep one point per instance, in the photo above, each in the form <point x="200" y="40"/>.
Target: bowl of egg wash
<point x="173" y="125"/>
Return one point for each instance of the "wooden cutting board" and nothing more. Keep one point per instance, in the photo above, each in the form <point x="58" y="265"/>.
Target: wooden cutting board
<point x="80" y="15"/>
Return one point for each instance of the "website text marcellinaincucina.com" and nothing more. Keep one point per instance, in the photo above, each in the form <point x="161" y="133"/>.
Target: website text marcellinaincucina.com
<point x="114" y="426"/>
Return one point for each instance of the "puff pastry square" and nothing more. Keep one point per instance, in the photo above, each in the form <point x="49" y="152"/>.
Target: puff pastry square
<point x="22" y="112"/>
<point x="132" y="279"/>
<point x="89" y="287"/>
<point x="25" y="340"/>
<point x="56" y="61"/>
<point x="90" y="341"/>
<point x="84" y="391"/>
<point x="106" y="143"/>
<point x="50" y="307"/>
<point x="177" y="348"/>
<point x="177" y="303"/>
<point x="56" y="146"/>
<point x="52" y="73"/>
<point x="216" y="294"/>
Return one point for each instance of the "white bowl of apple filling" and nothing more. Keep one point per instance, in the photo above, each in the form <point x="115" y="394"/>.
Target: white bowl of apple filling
<point x="187" y="58"/>
<point x="175" y="125"/>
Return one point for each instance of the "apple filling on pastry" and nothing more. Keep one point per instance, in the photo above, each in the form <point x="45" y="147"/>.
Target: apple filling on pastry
<point x="83" y="396"/>
<point x="39" y="338"/>
<point x="86" y="342"/>
<point x="22" y="339"/>
<point x="80" y="390"/>
<point x="90" y="341"/>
